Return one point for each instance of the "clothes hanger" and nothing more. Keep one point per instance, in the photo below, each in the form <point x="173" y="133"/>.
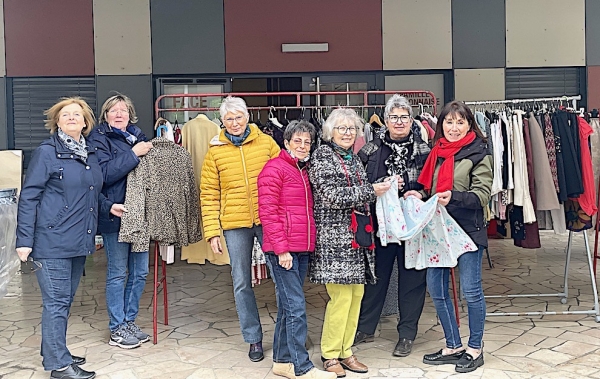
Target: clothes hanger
<point x="274" y="119"/>
<point x="375" y="119"/>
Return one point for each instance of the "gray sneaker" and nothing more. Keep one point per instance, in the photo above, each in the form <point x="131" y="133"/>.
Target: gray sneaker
<point x="123" y="338"/>
<point x="137" y="332"/>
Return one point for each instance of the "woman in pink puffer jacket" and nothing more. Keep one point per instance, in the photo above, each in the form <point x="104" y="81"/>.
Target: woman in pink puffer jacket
<point x="285" y="208"/>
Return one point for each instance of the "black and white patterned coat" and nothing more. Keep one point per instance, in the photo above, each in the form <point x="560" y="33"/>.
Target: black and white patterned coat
<point x="335" y="261"/>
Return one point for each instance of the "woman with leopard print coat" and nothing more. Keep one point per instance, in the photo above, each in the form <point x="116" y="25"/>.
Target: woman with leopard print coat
<point x="340" y="185"/>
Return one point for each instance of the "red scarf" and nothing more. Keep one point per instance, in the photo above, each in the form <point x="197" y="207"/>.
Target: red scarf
<point x="446" y="150"/>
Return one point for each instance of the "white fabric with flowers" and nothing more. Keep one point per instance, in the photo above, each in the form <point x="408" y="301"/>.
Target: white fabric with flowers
<point x="432" y="237"/>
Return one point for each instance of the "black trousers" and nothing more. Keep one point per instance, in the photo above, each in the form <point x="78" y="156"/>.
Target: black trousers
<point x="411" y="292"/>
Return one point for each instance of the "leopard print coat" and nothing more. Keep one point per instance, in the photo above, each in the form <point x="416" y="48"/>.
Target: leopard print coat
<point x="334" y="260"/>
<point x="161" y="199"/>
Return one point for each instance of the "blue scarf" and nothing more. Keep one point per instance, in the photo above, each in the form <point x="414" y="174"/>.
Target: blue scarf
<point x="238" y="140"/>
<point x="78" y="147"/>
<point x="128" y="134"/>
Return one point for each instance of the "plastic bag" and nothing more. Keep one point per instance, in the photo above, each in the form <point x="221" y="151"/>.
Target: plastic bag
<point x="9" y="260"/>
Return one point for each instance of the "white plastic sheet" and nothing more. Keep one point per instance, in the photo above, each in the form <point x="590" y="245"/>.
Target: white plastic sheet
<point x="9" y="260"/>
<point x="433" y="238"/>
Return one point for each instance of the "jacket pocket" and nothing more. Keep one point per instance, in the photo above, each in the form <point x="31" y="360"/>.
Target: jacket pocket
<point x="288" y="223"/>
<point x="59" y="217"/>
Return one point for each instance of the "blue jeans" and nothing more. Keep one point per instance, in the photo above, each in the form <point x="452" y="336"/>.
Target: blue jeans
<point x="469" y="269"/>
<point x="126" y="274"/>
<point x="240" y="243"/>
<point x="291" y="327"/>
<point x="58" y="280"/>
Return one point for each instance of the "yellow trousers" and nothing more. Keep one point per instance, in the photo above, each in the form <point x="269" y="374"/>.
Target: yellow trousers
<point x="341" y="319"/>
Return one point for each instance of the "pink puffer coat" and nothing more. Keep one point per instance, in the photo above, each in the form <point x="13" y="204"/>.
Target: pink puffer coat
<point x="285" y="206"/>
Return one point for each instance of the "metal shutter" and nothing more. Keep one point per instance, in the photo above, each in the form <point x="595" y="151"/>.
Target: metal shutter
<point x="32" y="96"/>
<point x="526" y="83"/>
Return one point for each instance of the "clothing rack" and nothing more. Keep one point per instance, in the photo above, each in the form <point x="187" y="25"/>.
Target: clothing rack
<point x="563" y="295"/>
<point x="425" y="99"/>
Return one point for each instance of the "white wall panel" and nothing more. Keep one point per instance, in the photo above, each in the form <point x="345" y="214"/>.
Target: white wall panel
<point x="122" y="43"/>
<point x="417" y="34"/>
<point x="543" y="33"/>
<point x="479" y="84"/>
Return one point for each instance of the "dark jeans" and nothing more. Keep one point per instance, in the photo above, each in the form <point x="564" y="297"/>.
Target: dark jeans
<point x="411" y="292"/>
<point x="469" y="270"/>
<point x="58" y="280"/>
<point x="291" y="327"/>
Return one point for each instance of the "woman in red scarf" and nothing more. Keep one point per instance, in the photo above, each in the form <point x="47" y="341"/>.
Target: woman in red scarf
<point x="459" y="171"/>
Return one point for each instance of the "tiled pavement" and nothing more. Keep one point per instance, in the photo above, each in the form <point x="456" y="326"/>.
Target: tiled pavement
<point x="203" y="338"/>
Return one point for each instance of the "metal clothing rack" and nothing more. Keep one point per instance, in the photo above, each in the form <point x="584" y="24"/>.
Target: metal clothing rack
<point x="563" y="295"/>
<point x="428" y="97"/>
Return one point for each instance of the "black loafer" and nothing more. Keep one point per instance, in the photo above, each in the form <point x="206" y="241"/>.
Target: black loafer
<point x="256" y="352"/>
<point x="467" y="363"/>
<point x="440" y="359"/>
<point x="403" y="347"/>
<point x="72" y="372"/>
<point x="363" y="337"/>
<point x="78" y="360"/>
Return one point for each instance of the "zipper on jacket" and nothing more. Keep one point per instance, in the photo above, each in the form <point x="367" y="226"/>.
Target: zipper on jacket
<point x="247" y="186"/>
<point x="307" y="210"/>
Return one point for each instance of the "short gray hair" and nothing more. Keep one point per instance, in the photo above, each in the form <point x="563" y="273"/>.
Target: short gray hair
<point x="233" y="104"/>
<point x="301" y="126"/>
<point x="339" y="115"/>
<point x="399" y="102"/>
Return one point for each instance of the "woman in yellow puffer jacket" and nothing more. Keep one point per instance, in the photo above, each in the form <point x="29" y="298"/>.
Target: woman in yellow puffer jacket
<point x="229" y="201"/>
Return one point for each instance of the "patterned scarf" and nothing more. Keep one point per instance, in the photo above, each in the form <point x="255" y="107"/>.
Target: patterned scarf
<point x="396" y="162"/>
<point x="344" y="153"/>
<point x="238" y="140"/>
<point x="131" y="139"/>
<point x="78" y="147"/>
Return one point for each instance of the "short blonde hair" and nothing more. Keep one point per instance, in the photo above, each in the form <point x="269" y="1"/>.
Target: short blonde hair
<point x="111" y="101"/>
<point x="338" y="116"/>
<point x="53" y="113"/>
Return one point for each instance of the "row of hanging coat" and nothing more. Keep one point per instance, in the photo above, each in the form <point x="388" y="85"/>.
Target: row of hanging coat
<point x="543" y="175"/>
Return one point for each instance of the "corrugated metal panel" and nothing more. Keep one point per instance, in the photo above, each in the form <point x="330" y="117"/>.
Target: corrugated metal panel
<point x="32" y="96"/>
<point x="542" y="82"/>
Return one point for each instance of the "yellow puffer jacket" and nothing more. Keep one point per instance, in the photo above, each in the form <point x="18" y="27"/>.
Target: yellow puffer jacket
<point x="228" y="190"/>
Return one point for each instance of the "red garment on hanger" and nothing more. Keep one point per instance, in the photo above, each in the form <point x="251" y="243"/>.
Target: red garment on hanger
<point x="587" y="200"/>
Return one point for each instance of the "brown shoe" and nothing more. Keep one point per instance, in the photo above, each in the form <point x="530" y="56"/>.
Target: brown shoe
<point x="352" y="364"/>
<point x="333" y="365"/>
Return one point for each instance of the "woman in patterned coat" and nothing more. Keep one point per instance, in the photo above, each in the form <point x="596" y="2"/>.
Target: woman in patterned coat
<point x="340" y="185"/>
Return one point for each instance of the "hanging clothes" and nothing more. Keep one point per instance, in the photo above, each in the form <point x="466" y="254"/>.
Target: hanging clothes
<point x="522" y="195"/>
<point x="196" y="135"/>
<point x="161" y="199"/>
<point x="587" y="200"/>
<point x="569" y="134"/>
<point x="545" y="192"/>
<point x="551" y="149"/>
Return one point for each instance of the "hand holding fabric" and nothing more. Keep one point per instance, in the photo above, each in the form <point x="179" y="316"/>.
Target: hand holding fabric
<point x="414" y="193"/>
<point x="381" y="188"/>
<point x="118" y="210"/>
<point x="444" y="197"/>
<point x="142" y="148"/>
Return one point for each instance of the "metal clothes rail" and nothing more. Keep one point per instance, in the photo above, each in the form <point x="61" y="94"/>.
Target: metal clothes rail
<point x="427" y="97"/>
<point x="563" y="295"/>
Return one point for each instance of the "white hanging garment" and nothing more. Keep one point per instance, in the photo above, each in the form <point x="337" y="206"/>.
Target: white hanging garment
<point x="433" y="238"/>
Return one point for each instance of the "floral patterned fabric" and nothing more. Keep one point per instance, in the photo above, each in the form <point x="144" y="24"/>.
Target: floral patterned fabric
<point x="433" y="238"/>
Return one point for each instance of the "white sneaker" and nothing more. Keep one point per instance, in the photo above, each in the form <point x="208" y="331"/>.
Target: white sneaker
<point x="284" y="369"/>
<point x="315" y="373"/>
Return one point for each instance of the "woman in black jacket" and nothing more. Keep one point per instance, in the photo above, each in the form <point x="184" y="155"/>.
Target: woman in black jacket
<point x="398" y="150"/>
<point x="56" y="224"/>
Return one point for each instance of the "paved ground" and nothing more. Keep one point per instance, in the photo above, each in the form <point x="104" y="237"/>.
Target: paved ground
<point x="203" y="338"/>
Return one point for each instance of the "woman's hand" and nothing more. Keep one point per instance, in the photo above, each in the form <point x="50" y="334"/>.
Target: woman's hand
<point x="285" y="260"/>
<point x="414" y="193"/>
<point x="142" y="148"/>
<point x="444" y="197"/>
<point x="215" y="245"/>
<point x="381" y="188"/>
<point x="118" y="210"/>
<point x="23" y="253"/>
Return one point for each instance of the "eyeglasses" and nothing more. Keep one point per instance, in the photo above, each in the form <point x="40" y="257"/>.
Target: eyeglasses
<point x="306" y="143"/>
<point x="115" y="111"/>
<point x="30" y="266"/>
<point x="405" y="119"/>
<point x="238" y="119"/>
<point x="346" y="129"/>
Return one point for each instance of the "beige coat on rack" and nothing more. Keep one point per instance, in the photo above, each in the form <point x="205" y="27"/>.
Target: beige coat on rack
<point x="196" y="134"/>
